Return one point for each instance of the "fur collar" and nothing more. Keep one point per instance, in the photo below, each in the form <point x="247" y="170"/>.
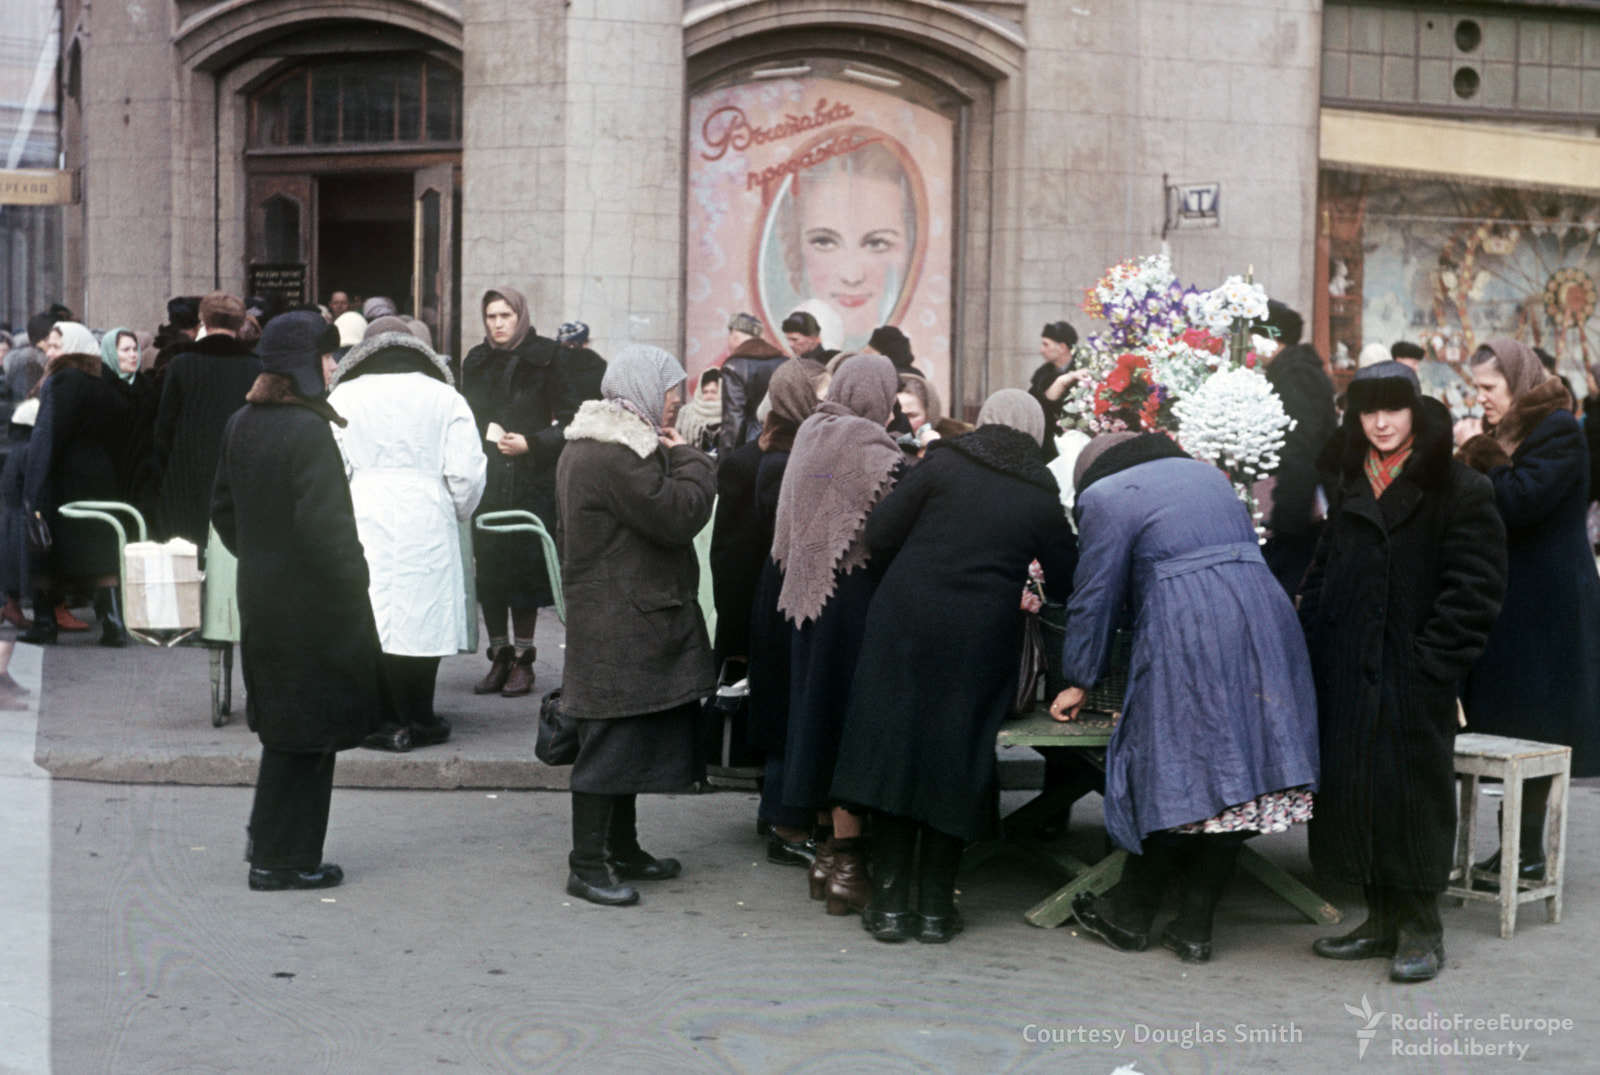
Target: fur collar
<point x="1007" y="450"/>
<point x="1145" y="448"/>
<point x="274" y="388"/>
<point x="391" y="352"/>
<point x="1528" y="410"/>
<point x="90" y="364"/>
<point x="1428" y="467"/>
<point x="605" y="421"/>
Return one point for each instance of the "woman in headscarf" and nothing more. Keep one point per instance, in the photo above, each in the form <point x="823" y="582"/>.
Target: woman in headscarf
<point x="416" y="469"/>
<point x="1218" y="736"/>
<point x="1539" y="676"/>
<point x="1414" y="535"/>
<point x="632" y="498"/>
<point x="747" y="582"/>
<point x="81" y="428"/>
<point x="918" y="743"/>
<point x="702" y="416"/>
<point x="517" y="392"/>
<point x="843" y="463"/>
<point x="582" y="367"/>
<point x="120" y="352"/>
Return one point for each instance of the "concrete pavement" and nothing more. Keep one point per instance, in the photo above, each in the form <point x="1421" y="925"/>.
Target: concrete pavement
<point x="452" y="946"/>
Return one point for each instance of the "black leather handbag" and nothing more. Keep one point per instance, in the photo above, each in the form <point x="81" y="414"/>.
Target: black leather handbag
<point x="557" y="743"/>
<point x="38" y="531"/>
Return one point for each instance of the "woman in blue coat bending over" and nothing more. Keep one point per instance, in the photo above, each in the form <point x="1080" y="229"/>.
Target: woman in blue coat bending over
<point x="1218" y="736"/>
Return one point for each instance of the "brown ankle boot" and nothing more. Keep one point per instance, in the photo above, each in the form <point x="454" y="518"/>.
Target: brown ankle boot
<point x="520" y="682"/>
<point x="849" y="884"/>
<point x="499" y="669"/>
<point x="817" y="876"/>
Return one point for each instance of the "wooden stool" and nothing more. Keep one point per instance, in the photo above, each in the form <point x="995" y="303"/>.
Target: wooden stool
<point x="1512" y="761"/>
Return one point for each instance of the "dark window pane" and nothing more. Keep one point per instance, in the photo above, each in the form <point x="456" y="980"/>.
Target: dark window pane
<point x="428" y="286"/>
<point x="325" y="105"/>
<point x="408" y="84"/>
<point x="281" y="234"/>
<point x="294" y="111"/>
<point x="444" y="88"/>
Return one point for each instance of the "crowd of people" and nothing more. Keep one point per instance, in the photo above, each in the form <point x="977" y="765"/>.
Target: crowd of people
<point x="1416" y="578"/>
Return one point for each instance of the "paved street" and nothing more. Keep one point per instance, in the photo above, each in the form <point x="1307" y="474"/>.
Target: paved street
<point x="451" y="946"/>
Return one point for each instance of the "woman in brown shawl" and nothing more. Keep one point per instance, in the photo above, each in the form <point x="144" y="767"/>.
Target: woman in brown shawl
<point x="513" y="382"/>
<point x="1539" y="677"/>
<point x="843" y="463"/>
<point x="745" y="520"/>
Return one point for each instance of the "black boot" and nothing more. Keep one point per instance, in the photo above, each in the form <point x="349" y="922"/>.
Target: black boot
<point x="591" y="876"/>
<point x="628" y="860"/>
<point x="894" y="843"/>
<point x="44" y="629"/>
<point x="936" y="886"/>
<point x="1373" y="939"/>
<point x="108" y="606"/>
<point x="1209" y="864"/>
<point x="1123" y="915"/>
<point x="1419" y="943"/>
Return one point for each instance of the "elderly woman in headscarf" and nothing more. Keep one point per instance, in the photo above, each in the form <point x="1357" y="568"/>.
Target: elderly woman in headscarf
<point x="700" y="418"/>
<point x="1218" y="736"/>
<point x="521" y="400"/>
<point x="1539" y="676"/>
<point x="958" y="532"/>
<point x="81" y="429"/>
<point x="843" y="463"/>
<point x="747" y="582"/>
<point x="632" y="497"/>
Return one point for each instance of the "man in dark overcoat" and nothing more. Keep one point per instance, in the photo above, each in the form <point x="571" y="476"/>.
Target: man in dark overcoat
<point x="308" y="640"/>
<point x="1297" y="376"/>
<point x="1396" y="607"/>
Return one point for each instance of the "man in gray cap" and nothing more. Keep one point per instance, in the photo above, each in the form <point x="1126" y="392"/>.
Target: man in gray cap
<point x="751" y="360"/>
<point x="310" y="648"/>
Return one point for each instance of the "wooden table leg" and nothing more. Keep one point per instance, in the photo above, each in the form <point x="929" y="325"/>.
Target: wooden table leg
<point x="1510" y="849"/>
<point x="1466" y="832"/>
<point x="1555" y="847"/>
<point x="1297" y="895"/>
<point x="1057" y="907"/>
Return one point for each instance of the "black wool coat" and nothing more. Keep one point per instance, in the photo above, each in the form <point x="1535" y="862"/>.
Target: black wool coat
<point x="739" y="546"/>
<point x="308" y="641"/>
<point x="770" y="634"/>
<point x="526" y="391"/>
<point x="80" y="434"/>
<point x="938" y="664"/>
<point x="1396" y="607"/>
<point x="1539" y="676"/>
<point x="745" y="375"/>
<point x="136" y="460"/>
<point x="201" y="388"/>
<point x="636" y="641"/>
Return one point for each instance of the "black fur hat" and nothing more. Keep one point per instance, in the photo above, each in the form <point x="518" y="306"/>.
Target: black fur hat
<point x="1384" y="386"/>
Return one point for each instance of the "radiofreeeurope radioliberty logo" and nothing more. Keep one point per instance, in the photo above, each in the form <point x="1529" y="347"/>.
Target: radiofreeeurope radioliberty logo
<point x="1369" y="1031"/>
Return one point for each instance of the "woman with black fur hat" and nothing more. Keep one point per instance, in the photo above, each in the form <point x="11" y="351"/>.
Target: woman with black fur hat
<point x="1405" y="583"/>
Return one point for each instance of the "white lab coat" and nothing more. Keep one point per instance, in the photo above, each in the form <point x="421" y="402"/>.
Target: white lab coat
<point x="416" y="469"/>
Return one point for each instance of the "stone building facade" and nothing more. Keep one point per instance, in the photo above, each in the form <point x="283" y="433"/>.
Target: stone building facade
<point x="1023" y="145"/>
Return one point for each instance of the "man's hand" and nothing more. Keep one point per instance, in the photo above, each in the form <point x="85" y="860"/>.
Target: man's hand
<point x="1059" y="386"/>
<point x="1067" y="704"/>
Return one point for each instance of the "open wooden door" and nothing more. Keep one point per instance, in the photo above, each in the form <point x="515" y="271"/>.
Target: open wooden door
<point x="433" y="245"/>
<point x="280" y="236"/>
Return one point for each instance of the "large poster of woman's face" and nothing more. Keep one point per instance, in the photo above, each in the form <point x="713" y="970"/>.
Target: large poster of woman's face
<point x="825" y="195"/>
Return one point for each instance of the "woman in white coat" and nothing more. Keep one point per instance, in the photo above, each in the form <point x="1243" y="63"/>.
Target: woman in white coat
<point x="416" y="470"/>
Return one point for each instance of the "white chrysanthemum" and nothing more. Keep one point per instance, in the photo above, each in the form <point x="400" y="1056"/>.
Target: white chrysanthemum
<point x="1236" y="421"/>
<point x="1235" y="299"/>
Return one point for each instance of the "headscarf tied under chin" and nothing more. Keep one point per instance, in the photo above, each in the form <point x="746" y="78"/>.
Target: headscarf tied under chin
<point x="1015" y="408"/>
<point x="842" y="464"/>
<point x="76" y="339"/>
<point x="639" y="378"/>
<point x="108" y="353"/>
<point x="793" y="395"/>
<point x="519" y="306"/>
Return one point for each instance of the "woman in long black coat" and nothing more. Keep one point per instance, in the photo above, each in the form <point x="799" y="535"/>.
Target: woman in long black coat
<point x="918" y="746"/>
<point x="1397" y="604"/>
<point x="514" y="380"/>
<point x="633" y="496"/>
<point x="843" y="463"/>
<point x="308" y="642"/>
<point x="1539" y="677"/>
<point x="80" y="433"/>
<point x="119" y="353"/>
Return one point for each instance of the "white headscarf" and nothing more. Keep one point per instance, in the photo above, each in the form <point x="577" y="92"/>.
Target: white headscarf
<point x="77" y="339"/>
<point x="641" y="376"/>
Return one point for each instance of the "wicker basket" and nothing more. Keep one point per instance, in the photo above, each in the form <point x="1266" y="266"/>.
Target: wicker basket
<point x="1106" y="696"/>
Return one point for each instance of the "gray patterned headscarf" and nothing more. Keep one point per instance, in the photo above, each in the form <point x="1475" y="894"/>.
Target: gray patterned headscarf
<point x="1014" y="408"/>
<point x="640" y="376"/>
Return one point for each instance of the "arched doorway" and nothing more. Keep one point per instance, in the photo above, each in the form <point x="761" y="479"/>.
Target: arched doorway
<point x="352" y="168"/>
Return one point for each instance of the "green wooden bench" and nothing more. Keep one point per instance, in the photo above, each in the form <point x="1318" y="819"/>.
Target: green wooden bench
<point x="1092" y="732"/>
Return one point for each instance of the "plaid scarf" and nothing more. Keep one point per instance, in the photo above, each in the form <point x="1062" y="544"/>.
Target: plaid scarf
<point x="1382" y="470"/>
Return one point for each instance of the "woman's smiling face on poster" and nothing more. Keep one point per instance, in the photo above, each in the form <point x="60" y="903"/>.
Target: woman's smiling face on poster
<point x="852" y="229"/>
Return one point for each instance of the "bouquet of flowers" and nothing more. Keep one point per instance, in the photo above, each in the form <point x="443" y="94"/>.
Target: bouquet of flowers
<point x="1236" y="421"/>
